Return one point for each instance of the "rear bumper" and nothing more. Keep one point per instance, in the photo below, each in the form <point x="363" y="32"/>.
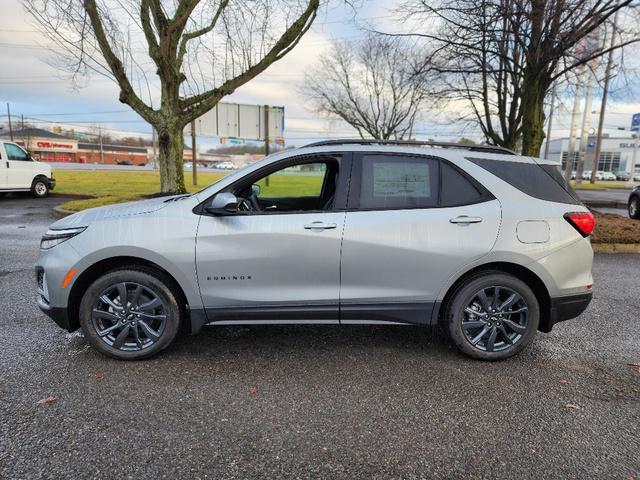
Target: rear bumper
<point x="567" y="307"/>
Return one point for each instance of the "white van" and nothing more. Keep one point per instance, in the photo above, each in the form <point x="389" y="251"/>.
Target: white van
<point x="19" y="172"/>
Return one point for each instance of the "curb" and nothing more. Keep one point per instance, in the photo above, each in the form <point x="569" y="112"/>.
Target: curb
<point x="605" y="204"/>
<point x="60" y="212"/>
<point x="616" y="247"/>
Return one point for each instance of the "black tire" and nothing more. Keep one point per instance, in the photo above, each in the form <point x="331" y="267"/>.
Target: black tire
<point x="40" y="187"/>
<point x="153" y="285"/>
<point x="503" y="346"/>
<point x="634" y="208"/>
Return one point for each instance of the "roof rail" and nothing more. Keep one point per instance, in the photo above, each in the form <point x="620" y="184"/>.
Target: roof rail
<point x="418" y="143"/>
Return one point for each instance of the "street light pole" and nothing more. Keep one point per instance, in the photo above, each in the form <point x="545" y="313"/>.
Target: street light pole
<point x="605" y="94"/>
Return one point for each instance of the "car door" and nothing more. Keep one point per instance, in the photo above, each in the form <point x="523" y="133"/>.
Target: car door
<point x="281" y="261"/>
<point x="405" y="235"/>
<point x="20" y="170"/>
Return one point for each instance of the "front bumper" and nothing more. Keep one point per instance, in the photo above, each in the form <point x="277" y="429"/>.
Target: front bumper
<point x="566" y="308"/>
<point x="57" y="314"/>
<point x="52" y="183"/>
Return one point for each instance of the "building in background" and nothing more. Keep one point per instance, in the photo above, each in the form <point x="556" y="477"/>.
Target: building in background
<point x="617" y="154"/>
<point x="44" y="145"/>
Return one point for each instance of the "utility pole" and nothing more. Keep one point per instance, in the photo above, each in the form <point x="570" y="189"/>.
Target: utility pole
<point x="9" y="117"/>
<point x="266" y="138"/>
<point x="574" y="125"/>
<point x="193" y="152"/>
<point x="549" y="124"/>
<point x="586" y="125"/>
<point x="605" y="94"/>
<point x="101" y="146"/>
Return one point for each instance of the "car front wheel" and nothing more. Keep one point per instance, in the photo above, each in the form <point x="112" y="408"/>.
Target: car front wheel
<point x="492" y="316"/>
<point x="634" y="208"/>
<point x="130" y="314"/>
<point x="39" y="188"/>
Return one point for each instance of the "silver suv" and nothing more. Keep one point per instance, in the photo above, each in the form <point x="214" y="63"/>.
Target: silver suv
<point x="491" y="245"/>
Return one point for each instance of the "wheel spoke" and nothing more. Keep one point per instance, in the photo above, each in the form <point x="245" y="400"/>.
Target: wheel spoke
<point x="153" y="303"/>
<point x="505" y="334"/>
<point x="122" y="336"/>
<point x="122" y="293"/>
<point x="484" y="300"/>
<point x="473" y="324"/>
<point x="496" y="297"/>
<point x="107" y="331"/>
<point x="151" y="317"/>
<point x="513" y="312"/>
<point x="492" y="339"/>
<point x="136" y="335"/>
<point x="478" y="337"/>
<point x="513" y="298"/>
<point x="135" y="297"/>
<point x="477" y="313"/>
<point x="514" y="326"/>
<point x="148" y="331"/>
<point x="96" y="313"/>
<point x="108" y="301"/>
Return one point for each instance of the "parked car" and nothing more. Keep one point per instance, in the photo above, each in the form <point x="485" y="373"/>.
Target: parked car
<point x="19" y="172"/>
<point x="227" y="165"/>
<point x="586" y="175"/>
<point x="124" y="162"/>
<point x="573" y="175"/>
<point x="623" y="176"/>
<point x="636" y="177"/>
<point x="633" y="204"/>
<point x="606" y="176"/>
<point x="490" y="245"/>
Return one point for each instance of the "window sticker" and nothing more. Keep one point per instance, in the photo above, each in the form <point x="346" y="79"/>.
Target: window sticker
<point x="401" y="179"/>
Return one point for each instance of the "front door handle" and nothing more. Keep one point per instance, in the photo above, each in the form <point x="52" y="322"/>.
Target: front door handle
<point x="320" y="226"/>
<point x="465" y="220"/>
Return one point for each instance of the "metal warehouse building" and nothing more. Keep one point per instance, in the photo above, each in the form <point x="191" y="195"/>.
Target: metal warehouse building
<point x="617" y="154"/>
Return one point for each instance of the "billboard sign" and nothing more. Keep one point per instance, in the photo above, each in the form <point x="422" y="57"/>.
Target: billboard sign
<point x="635" y="122"/>
<point x="240" y="121"/>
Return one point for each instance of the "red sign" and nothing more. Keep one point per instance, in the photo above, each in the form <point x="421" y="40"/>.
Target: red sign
<point x="53" y="145"/>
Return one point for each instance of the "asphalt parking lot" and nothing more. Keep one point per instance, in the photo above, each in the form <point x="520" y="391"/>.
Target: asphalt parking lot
<point x="315" y="402"/>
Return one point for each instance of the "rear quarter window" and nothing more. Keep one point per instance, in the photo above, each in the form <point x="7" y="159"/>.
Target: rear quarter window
<point x="544" y="182"/>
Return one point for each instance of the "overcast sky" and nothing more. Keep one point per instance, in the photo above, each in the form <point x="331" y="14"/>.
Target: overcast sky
<point x="37" y="90"/>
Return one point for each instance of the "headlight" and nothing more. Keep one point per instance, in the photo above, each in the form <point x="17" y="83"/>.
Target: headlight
<point x="56" y="237"/>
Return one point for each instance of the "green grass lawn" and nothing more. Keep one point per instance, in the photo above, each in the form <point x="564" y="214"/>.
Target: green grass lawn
<point x="109" y="187"/>
<point x="586" y="185"/>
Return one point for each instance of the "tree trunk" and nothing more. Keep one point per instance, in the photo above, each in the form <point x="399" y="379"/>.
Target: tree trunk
<point x="171" y="149"/>
<point x="533" y="93"/>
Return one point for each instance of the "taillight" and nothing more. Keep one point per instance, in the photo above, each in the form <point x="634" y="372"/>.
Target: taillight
<point x="583" y="222"/>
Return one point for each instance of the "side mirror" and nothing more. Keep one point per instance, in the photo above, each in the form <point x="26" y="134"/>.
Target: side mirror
<point x="255" y="189"/>
<point x="225" y="203"/>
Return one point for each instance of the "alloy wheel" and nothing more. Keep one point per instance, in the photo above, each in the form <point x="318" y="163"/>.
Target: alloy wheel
<point x="495" y="319"/>
<point x="633" y="208"/>
<point x="129" y="316"/>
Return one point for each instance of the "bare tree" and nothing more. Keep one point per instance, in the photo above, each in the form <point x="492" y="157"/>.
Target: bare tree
<point x="372" y="85"/>
<point x="502" y="56"/>
<point x="193" y="52"/>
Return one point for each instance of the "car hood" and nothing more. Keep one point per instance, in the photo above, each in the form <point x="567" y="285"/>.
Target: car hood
<point x="131" y="209"/>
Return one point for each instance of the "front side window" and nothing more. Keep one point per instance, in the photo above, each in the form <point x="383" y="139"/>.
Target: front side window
<point x="14" y="152"/>
<point x="389" y="181"/>
<point x="305" y="186"/>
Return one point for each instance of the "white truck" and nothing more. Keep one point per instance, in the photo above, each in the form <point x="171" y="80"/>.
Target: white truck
<point x="19" y="172"/>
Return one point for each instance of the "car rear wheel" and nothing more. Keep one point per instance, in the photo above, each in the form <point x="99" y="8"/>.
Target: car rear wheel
<point x="634" y="208"/>
<point x="492" y="316"/>
<point x="130" y="314"/>
<point x="40" y="188"/>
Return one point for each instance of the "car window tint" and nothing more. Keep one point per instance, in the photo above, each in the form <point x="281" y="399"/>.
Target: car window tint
<point x="529" y="178"/>
<point x="15" y="153"/>
<point x="457" y="189"/>
<point x="303" y="180"/>
<point x="398" y="182"/>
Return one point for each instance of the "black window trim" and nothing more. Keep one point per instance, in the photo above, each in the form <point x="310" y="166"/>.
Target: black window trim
<point x="344" y="159"/>
<point x="356" y="177"/>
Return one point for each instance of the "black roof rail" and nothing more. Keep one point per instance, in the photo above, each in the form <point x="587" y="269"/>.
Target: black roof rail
<point x="417" y="143"/>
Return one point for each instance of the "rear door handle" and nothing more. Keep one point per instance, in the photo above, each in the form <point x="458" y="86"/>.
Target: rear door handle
<point x="465" y="220"/>
<point x="320" y="226"/>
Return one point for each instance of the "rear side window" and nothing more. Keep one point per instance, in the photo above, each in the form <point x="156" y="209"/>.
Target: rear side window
<point x="530" y="178"/>
<point x="389" y="181"/>
<point x="457" y="189"/>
